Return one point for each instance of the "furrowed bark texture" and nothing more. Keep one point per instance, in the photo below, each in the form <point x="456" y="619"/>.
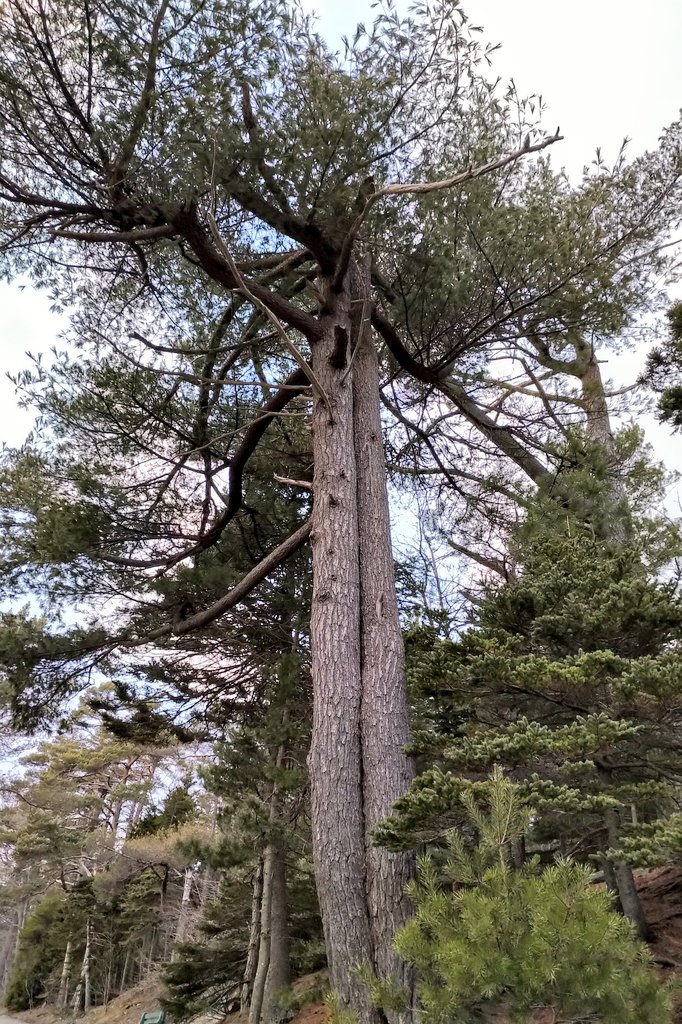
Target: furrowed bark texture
<point x="336" y="754"/>
<point x="360" y="725"/>
<point x="384" y="727"/>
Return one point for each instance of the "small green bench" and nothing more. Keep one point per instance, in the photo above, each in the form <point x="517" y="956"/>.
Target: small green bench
<point x="153" y="1017"/>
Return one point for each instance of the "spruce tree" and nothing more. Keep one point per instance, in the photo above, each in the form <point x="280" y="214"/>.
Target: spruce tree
<point x="569" y="676"/>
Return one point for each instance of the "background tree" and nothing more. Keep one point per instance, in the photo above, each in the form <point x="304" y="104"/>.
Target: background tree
<point x="97" y="873"/>
<point x="569" y="676"/>
<point x="663" y="370"/>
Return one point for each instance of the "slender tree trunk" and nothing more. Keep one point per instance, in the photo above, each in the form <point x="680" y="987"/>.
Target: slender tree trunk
<point x="272" y="971"/>
<point x="82" y="997"/>
<point x="258" y="993"/>
<point x="63" y="997"/>
<point x="386" y="770"/>
<point x="106" y="993"/>
<point x="77" y="1000"/>
<point x="10" y="944"/>
<point x="278" y="976"/>
<point x="124" y="972"/>
<point x="254" y="938"/>
<point x="338" y="827"/>
<point x="21" y="921"/>
<point x="624" y="879"/>
<point x="184" y="911"/>
<point x="87" y="995"/>
<point x="115" y="818"/>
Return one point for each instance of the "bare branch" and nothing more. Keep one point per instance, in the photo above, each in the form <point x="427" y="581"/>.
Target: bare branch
<point x="274" y="320"/>
<point x="255" y="576"/>
<point x="141" y="235"/>
<point x="425" y="187"/>
<point x="303" y="484"/>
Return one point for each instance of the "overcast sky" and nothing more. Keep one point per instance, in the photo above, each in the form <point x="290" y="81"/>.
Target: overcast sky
<point x="606" y="69"/>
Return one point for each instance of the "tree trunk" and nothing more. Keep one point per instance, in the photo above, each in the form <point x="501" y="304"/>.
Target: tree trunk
<point x="611" y="883"/>
<point x="594" y="401"/>
<point x="10" y="945"/>
<point x="254" y="937"/>
<point x="335" y="760"/>
<point x="82" y="997"/>
<point x="272" y="971"/>
<point x="386" y="770"/>
<point x="63" y="997"/>
<point x="358" y="766"/>
<point x="106" y="993"/>
<point x="124" y="972"/>
<point x="184" y="912"/>
<point x="278" y="976"/>
<point x="258" y="993"/>
<point x="87" y="995"/>
<point x="625" y="881"/>
<point x="598" y="429"/>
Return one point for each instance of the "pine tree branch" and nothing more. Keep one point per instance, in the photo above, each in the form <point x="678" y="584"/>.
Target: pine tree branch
<point x="426" y="187"/>
<point x="242" y="589"/>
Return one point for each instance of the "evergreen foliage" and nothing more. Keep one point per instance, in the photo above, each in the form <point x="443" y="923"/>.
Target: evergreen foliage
<point x="82" y="875"/>
<point x="499" y="943"/>
<point x="209" y="972"/>
<point x="664" y="370"/>
<point x="570" y="676"/>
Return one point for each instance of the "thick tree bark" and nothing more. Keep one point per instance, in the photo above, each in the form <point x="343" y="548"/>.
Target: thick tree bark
<point x="360" y="725"/>
<point x="386" y="770"/>
<point x="594" y="402"/>
<point x="338" y="827"/>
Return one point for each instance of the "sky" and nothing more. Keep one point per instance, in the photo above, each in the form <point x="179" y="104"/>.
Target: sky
<point x="606" y="69"/>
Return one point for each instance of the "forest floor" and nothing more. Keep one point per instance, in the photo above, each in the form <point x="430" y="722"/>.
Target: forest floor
<point x="660" y="891"/>
<point x="129" y="1007"/>
<point x="124" y="1009"/>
